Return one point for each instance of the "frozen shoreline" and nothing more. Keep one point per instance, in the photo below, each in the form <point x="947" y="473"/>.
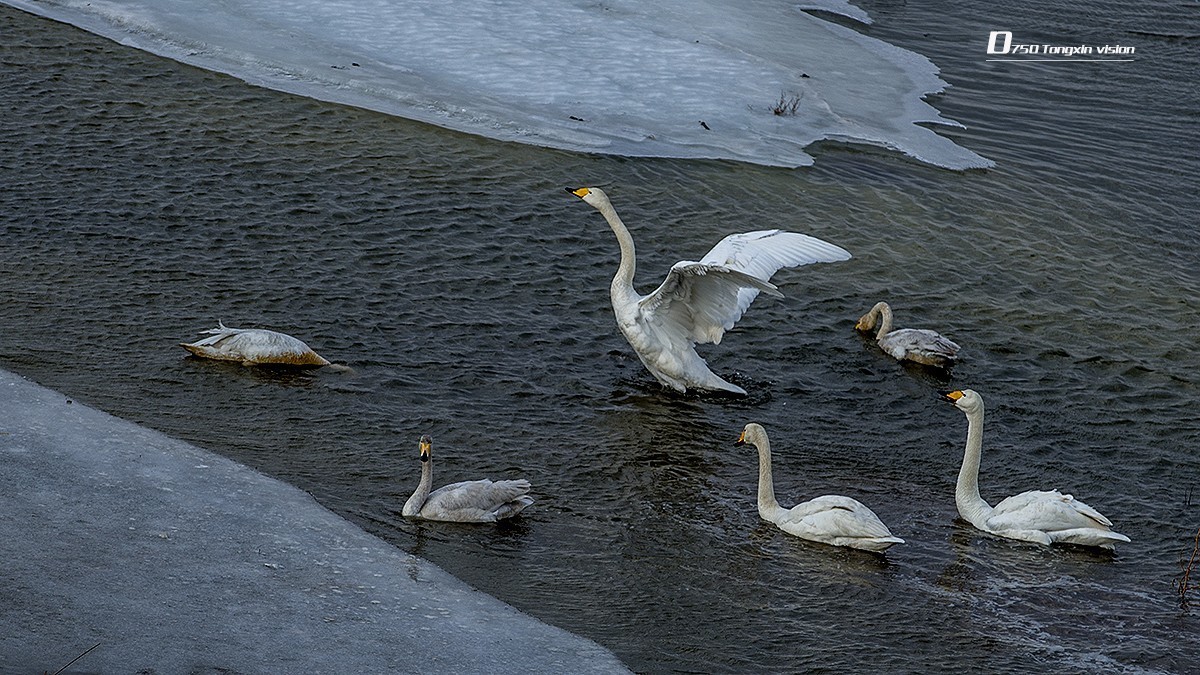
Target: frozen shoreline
<point x="175" y="559"/>
<point x="678" y="78"/>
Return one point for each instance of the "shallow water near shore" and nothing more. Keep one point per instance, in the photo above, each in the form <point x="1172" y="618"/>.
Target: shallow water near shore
<point x="467" y="295"/>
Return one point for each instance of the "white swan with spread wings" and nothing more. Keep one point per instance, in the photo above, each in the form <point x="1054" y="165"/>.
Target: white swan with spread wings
<point x="699" y="301"/>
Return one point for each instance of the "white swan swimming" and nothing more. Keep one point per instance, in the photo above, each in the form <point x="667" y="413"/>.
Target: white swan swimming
<point x="253" y="346"/>
<point x="831" y="519"/>
<point x="1043" y="517"/>
<point x="909" y="344"/>
<point x="699" y="301"/>
<point x="473" y="501"/>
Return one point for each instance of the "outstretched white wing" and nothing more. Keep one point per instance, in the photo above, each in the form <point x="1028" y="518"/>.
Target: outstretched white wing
<point x="764" y="252"/>
<point x="699" y="301"/>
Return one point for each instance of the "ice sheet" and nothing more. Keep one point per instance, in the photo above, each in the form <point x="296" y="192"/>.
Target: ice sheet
<point x="672" y="78"/>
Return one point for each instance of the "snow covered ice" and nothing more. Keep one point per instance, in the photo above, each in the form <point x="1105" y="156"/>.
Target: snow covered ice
<point x="621" y="77"/>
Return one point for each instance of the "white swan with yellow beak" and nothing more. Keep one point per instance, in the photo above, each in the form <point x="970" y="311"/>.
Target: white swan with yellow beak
<point x="699" y="301"/>
<point x="1039" y="516"/>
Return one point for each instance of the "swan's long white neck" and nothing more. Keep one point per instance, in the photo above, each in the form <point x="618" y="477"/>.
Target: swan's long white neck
<point x="768" y="507"/>
<point x="885" y="322"/>
<point x="970" y="505"/>
<point x="622" y="283"/>
<point x="413" y="506"/>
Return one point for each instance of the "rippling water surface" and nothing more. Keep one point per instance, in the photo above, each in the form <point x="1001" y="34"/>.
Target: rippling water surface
<point x="467" y="293"/>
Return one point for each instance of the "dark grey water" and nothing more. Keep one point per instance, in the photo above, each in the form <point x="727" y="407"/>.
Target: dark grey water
<point x="143" y="200"/>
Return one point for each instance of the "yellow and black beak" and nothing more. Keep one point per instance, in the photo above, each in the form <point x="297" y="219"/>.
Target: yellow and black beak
<point x="741" y="439"/>
<point x="581" y="192"/>
<point x="426" y="448"/>
<point x="952" y="396"/>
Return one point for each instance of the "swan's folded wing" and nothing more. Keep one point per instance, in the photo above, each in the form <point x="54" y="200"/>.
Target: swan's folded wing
<point x="698" y="302"/>
<point x="265" y="344"/>
<point x="215" y="336"/>
<point x="475" y="495"/>
<point x="1022" y="501"/>
<point x="918" y="340"/>
<point x="1047" y="510"/>
<point x="1088" y="511"/>
<point x="834" y="516"/>
<point x="945" y="346"/>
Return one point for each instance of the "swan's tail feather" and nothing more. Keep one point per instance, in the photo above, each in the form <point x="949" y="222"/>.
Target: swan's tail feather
<point x="1089" y="536"/>
<point x="196" y="349"/>
<point x="877" y="544"/>
<point x="510" y="509"/>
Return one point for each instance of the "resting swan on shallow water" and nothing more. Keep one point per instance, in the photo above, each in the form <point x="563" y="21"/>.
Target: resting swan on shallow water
<point x="699" y="301"/>
<point x="831" y="519"/>
<point x="473" y="501"/>
<point x="1043" y="517"/>
<point x="253" y="346"/>
<point x="908" y="344"/>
